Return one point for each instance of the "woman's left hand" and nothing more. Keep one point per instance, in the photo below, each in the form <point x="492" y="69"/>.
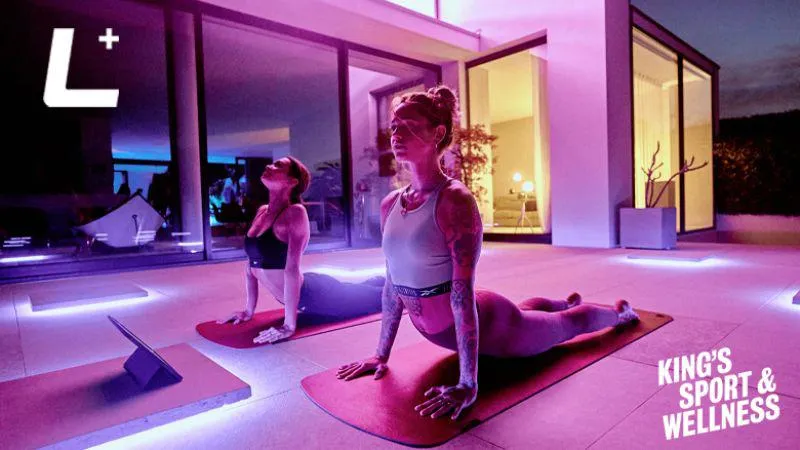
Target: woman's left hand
<point x="447" y="399"/>
<point x="273" y="335"/>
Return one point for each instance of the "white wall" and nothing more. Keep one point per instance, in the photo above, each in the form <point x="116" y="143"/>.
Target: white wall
<point x="588" y="84"/>
<point x="620" y="120"/>
<point x="541" y="135"/>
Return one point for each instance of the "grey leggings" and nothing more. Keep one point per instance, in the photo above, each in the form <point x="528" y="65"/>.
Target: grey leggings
<point x="326" y="297"/>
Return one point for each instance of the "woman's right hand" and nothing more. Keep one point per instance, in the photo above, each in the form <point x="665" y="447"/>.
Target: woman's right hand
<point x="350" y="371"/>
<point x="237" y="317"/>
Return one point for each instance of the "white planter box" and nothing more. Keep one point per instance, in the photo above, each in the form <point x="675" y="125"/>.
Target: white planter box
<point x="650" y="228"/>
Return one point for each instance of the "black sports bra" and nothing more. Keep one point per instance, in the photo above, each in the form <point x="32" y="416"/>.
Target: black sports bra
<point x="266" y="251"/>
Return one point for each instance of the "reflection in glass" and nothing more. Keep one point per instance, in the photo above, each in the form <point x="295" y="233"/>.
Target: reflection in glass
<point x="269" y="96"/>
<point x="70" y="183"/>
<point x="374" y="82"/>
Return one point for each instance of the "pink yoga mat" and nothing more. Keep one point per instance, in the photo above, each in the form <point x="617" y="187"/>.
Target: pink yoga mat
<point x="385" y="408"/>
<point x="87" y="405"/>
<point x="242" y="335"/>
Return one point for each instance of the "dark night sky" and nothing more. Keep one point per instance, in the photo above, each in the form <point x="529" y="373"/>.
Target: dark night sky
<point x="756" y="43"/>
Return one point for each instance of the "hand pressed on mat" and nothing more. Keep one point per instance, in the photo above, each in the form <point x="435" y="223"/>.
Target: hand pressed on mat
<point x="237" y="317"/>
<point x="350" y="371"/>
<point x="447" y="399"/>
<point x="272" y="335"/>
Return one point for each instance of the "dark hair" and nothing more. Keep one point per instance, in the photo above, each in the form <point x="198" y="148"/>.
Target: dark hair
<point x="439" y="105"/>
<point x="299" y="172"/>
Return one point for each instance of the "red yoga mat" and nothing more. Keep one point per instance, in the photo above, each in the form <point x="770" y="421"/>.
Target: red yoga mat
<point x="242" y="335"/>
<point x="385" y="408"/>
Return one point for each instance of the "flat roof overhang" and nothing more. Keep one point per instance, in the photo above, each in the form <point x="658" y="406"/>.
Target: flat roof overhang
<point x="371" y="23"/>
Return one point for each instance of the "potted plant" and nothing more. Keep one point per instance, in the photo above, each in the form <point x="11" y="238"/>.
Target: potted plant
<point x="469" y="161"/>
<point x="653" y="227"/>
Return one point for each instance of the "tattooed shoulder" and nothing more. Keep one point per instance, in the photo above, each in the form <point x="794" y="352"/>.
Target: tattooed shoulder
<point x="460" y="221"/>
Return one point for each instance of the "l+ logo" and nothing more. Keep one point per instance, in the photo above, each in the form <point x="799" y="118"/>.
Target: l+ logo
<point x="56" y="93"/>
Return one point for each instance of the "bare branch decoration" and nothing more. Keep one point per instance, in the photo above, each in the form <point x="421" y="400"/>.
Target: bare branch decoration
<point x="653" y="176"/>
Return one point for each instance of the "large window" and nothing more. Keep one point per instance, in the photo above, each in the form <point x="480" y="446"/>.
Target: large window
<point x="99" y="185"/>
<point x="506" y="97"/>
<point x="84" y="183"/>
<point x="374" y="83"/>
<point x="698" y="144"/>
<point x="659" y="74"/>
<point x="268" y="96"/>
<point x="656" y="120"/>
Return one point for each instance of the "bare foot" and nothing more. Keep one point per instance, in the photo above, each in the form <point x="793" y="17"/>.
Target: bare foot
<point x="574" y="300"/>
<point x="625" y="312"/>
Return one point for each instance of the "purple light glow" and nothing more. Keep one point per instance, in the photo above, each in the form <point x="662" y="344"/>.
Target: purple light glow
<point x="788" y="303"/>
<point x="191" y="244"/>
<point x="210" y="420"/>
<point x="19" y="259"/>
<point x="25" y="309"/>
<point x="669" y="257"/>
<point x="677" y="264"/>
<point x="350" y="273"/>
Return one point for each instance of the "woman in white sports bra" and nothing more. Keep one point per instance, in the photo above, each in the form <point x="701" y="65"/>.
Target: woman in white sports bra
<point x="432" y="235"/>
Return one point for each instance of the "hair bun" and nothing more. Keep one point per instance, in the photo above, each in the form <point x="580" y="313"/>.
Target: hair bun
<point x="444" y="99"/>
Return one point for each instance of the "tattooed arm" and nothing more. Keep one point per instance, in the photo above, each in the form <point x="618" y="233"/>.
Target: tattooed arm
<point x="391" y="304"/>
<point x="458" y="218"/>
<point x="392" y="314"/>
<point x="460" y="221"/>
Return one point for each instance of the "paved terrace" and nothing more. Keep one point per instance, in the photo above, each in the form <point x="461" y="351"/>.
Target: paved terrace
<point x="740" y="298"/>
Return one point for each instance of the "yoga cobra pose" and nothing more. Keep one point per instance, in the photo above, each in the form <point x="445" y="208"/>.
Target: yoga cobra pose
<point x="432" y="236"/>
<point x="274" y="245"/>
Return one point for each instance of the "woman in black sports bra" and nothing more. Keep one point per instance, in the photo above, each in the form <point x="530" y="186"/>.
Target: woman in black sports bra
<point x="275" y="243"/>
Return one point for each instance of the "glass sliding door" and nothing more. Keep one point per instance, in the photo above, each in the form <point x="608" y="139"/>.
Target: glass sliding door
<point x="506" y="97"/>
<point x="374" y="83"/>
<point x="656" y="121"/>
<point x="658" y="77"/>
<point x="81" y="184"/>
<point x="268" y="96"/>
<point x="698" y="144"/>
